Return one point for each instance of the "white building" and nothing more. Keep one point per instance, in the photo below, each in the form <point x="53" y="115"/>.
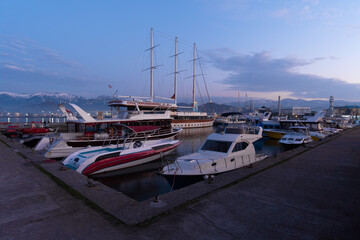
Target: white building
<point x="301" y="111"/>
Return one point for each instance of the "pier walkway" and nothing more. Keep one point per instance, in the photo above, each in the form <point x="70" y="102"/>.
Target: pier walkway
<point x="312" y="192"/>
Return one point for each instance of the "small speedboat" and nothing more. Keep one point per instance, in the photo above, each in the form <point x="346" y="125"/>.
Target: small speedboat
<point x="227" y="149"/>
<point x="297" y="135"/>
<point x="100" y="160"/>
<point x="295" y="139"/>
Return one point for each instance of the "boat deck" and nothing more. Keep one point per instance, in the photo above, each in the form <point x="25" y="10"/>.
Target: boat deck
<point x="100" y="151"/>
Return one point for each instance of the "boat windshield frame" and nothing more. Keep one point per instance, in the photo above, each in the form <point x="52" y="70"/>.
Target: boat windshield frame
<point x="238" y="130"/>
<point x="216" y="146"/>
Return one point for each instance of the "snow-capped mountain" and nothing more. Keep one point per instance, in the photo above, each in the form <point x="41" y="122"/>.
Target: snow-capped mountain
<point x="47" y="102"/>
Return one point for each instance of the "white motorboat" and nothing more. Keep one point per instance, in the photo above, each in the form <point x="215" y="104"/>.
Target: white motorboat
<point x="104" y="160"/>
<point x="298" y="136"/>
<point x="225" y="150"/>
<point x="313" y="123"/>
<point x="231" y="118"/>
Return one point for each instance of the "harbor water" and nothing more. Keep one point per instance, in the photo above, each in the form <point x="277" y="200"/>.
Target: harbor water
<point x="143" y="182"/>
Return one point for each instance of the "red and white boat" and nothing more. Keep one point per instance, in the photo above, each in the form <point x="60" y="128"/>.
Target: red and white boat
<point x="104" y="160"/>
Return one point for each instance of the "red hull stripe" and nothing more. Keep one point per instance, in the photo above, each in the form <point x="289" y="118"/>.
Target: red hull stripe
<point x="110" y="162"/>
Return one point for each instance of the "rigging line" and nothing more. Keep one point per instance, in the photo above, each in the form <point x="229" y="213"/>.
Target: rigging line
<point x="202" y="73"/>
<point x="185" y="42"/>
<point x="171" y="38"/>
<point x="164" y="35"/>
<point x="197" y="84"/>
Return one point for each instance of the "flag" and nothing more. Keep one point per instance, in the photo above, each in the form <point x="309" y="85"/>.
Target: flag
<point x="109" y="86"/>
<point x="173" y="96"/>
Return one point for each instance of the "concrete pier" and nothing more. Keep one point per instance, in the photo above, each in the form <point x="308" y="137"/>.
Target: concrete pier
<point x="311" y="192"/>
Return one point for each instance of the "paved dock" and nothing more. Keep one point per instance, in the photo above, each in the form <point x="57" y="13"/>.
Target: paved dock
<point x="312" y="192"/>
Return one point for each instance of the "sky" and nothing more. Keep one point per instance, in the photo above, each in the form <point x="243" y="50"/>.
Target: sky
<point x="306" y="49"/>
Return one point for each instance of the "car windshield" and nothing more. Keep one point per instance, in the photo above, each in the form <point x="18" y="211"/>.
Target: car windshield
<point x="216" y="146"/>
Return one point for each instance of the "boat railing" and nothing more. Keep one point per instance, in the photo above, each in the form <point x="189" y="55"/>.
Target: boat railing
<point x="130" y="114"/>
<point x="199" y="166"/>
<point x="245" y="160"/>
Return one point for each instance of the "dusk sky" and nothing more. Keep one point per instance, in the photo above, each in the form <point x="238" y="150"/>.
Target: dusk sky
<point x="307" y="49"/>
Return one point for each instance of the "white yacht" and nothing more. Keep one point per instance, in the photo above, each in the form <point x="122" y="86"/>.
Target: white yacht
<point x="90" y="132"/>
<point x="231" y="118"/>
<point x="225" y="150"/>
<point x="297" y="136"/>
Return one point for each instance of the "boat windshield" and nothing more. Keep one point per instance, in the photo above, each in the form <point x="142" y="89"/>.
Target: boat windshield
<point x="216" y="146"/>
<point x="238" y="130"/>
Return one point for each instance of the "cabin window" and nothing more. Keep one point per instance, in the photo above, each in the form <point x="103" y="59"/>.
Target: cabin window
<point x="71" y="128"/>
<point x="89" y="128"/>
<point x="240" y="146"/>
<point x="216" y="146"/>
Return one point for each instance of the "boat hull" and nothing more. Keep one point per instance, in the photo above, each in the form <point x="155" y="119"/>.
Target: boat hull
<point x="178" y="178"/>
<point x="126" y="161"/>
<point x="274" y="134"/>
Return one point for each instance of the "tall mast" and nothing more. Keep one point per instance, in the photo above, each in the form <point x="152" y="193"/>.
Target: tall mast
<point x="194" y="79"/>
<point x="279" y="107"/>
<point x="175" y="83"/>
<point x="151" y="66"/>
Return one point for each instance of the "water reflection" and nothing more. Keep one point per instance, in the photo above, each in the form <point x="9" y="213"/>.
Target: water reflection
<point x="142" y="182"/>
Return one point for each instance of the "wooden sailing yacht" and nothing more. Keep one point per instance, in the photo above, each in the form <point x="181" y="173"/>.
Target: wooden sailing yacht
<point x="183" y="119"/>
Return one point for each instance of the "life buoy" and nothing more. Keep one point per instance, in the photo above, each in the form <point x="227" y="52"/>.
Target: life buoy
<point x="137" y="144"/>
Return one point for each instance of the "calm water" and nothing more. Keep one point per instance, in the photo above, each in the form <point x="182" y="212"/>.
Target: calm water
<point x="148" y="184"/>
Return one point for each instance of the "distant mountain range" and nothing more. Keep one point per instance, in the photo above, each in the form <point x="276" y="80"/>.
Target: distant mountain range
<point x="48" y="103"/>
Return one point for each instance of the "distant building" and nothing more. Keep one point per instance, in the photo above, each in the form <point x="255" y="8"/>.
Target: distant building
<point x="347" y="110"/>
<point x="301" y="111"/>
